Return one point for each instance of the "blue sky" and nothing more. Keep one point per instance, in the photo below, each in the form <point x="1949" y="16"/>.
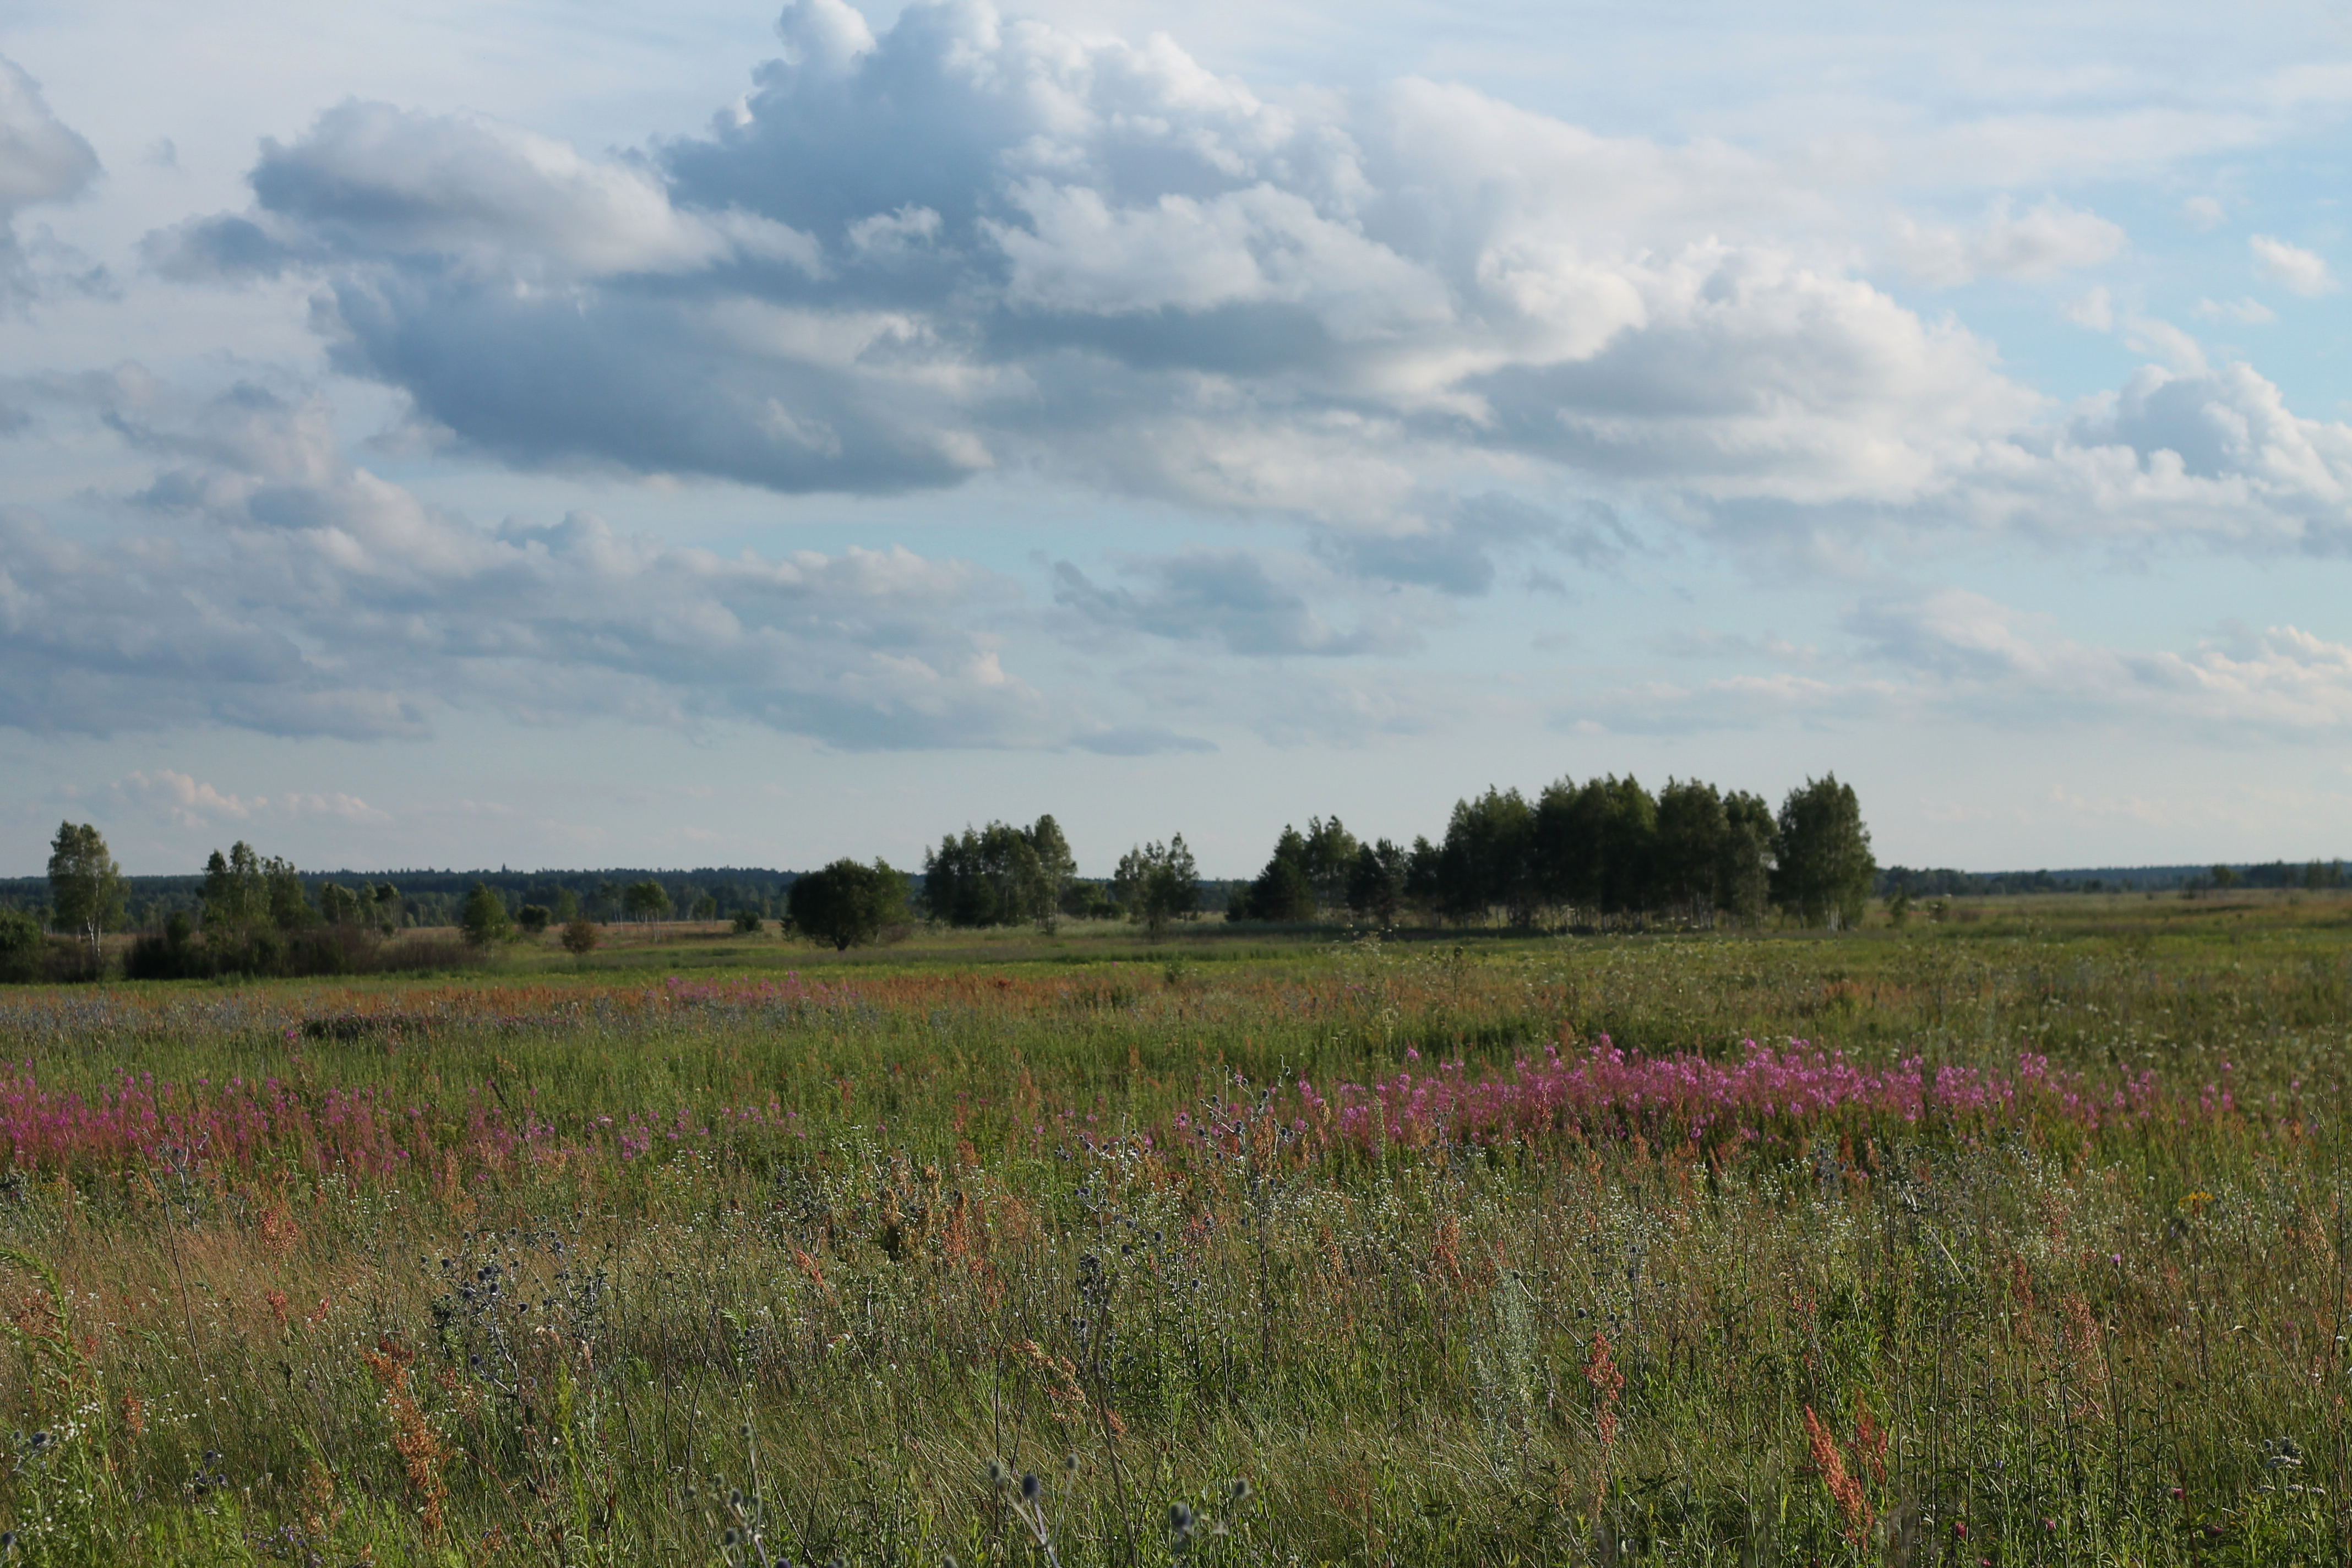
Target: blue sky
<point x="592" y="434"/>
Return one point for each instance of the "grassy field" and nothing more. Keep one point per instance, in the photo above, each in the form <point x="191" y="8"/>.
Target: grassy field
<point x="2014" y="1237"/>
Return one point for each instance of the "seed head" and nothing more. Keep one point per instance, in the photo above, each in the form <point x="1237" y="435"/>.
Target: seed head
<point x="1031" y="1486"/>
<point x="1241" y="1489"/>
<point x="1180" y="1517"/>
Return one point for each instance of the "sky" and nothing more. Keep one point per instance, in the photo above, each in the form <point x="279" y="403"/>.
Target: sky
<point x="536" y="434"/>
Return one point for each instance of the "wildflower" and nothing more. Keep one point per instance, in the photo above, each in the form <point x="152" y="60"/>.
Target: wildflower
<point x="1029" y="1486"/>
<point x="1843" y="1488"/>
<point x="996" y="1476"/>
<point x="1179" y="1517"/>
<point x="1241" y="1489"/>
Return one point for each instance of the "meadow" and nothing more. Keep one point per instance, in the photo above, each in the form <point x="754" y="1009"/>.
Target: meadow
<point x="2018" y="1236"/>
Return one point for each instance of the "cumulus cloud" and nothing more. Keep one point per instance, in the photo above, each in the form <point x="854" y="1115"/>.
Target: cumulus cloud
<point x="2245" y="310"/>
<point x="2045" y="239"/>
<point x="270" y="584"/>
<point x="41" y="160"/>
<point x="2281" y="681"/>
<point x="2210" y="455"/>
<point x="971" y="241"/>
<point x="185" y="801"/>
<point x="2204" y="213"/>
<point x="1225" y="598"/>
<point x="2291" y="267"/>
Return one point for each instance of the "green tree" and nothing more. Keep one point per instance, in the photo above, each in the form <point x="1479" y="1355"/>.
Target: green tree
<point x="85" y="885"/>
<point x="1824" y="867"/>
<point x="236" y="895"/>
<point x="24" y="949"/>
<point x="339" y="906"/>
<point x="388" y="907"/>
<point x="847" y="904"/>
<point x="290" y="906"/>
<point x="645" y="900"/>
<point x="1156" y="883"/>
<point x="1743" y="869"/>
<point x="1284" y="890"/>
<point x="1330" y="855"/>
<point x="1057" y="871"/>
<point x="1485" y="862"/>
<point x="567" y="906"/>
<point x="483" y="918"/>
<point x="1376" y="881"/>
<point x="1691" y="826"/>
<point x="534" y="917"/>
<point x="999" y="875"/>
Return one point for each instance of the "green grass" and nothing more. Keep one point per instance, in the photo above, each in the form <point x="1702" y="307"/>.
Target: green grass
<point x="976" y="1219"/>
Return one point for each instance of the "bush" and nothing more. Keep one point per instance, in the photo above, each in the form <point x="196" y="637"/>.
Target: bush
<point x="747" y="922"/>
<point x="534" y="917"/>
<point x="177" y="952"/>
<point x="24" y="947"/>
<point x="579" y="937"/>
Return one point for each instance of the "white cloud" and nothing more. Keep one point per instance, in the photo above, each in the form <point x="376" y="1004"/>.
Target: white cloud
<point x="2291" y="267"/>
<point x="2047" y="239"/>
<point x="273" y="586"/>
<point x="2162" y="340"/>
<point x="989" y="241"/>
<point x="1947" y="655"/>
<point x="2204" y="213"/>
<point x="2095" y="310"/>
<point x="2245" y="310"/>
<point x="184" y="801"/>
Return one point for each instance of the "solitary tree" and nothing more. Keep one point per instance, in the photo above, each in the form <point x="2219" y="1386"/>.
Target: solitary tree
<point x="847" y="904"/>
<point x="645" y="900"/>
<point x="85" y="885"/>
<point x="1825" y="866"/>
<point x="484" y="919"/>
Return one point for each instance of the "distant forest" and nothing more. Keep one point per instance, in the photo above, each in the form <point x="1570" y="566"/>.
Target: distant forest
<point x="712" y="892"/>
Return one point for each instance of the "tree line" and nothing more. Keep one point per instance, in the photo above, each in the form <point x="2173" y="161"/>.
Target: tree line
<point x="1587" y="854"/>
<point x="1574" y="855"/>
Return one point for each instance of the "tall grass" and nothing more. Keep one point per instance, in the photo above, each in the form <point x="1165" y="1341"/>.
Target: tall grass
<point x="2007" y="1245"/>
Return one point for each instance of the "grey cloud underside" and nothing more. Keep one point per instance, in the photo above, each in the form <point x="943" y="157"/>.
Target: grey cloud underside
<point x="41" y="160"/>
<point x="266" y="583"/>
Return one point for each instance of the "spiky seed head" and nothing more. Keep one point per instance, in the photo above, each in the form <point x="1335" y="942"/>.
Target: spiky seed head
<point x="1031" y="1486"/>
<point x="1241" y="1489"/>
<point x="1180" y="1517"/>
<point x="995" y="1474"/>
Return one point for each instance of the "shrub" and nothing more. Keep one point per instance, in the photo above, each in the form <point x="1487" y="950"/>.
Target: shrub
<point x="533" y="918"/>
<point x="747" y="922"/>
<point x="579" y="937"/>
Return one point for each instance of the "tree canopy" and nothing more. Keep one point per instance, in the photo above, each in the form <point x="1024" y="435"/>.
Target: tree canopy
<point x="848" y="904"/>
<point x="85" y="884"/>
<point x="1156" y="883"/>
